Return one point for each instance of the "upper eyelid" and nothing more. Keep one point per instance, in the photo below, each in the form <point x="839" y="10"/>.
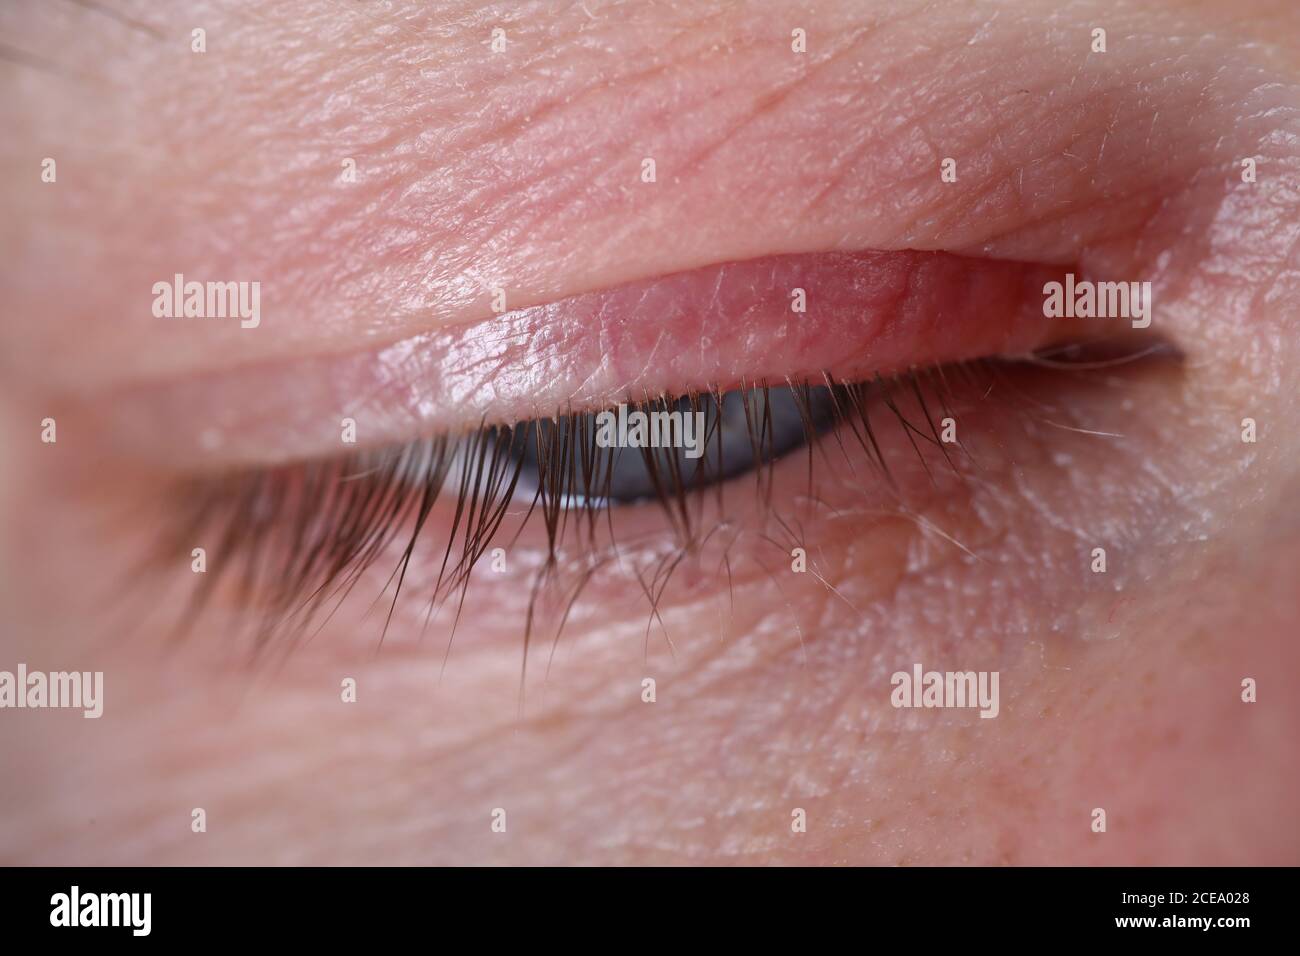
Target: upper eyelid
<point x="717" y="327"/>
<point x="333" y="306"/>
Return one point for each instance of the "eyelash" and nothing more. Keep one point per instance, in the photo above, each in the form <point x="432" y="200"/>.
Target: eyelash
<point x="297" y="539"/>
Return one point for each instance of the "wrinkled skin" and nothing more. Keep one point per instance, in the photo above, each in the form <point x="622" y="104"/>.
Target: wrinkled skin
<point x="521" y="170"/>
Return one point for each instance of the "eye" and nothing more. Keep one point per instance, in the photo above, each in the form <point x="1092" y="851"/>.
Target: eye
<point x="633" y="452"/>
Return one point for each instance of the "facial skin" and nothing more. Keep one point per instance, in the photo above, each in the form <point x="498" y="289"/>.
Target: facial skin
<point x="522" y="170"/>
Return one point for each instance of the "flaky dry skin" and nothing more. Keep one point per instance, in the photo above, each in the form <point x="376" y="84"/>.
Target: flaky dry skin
<point x="521" y="170"/>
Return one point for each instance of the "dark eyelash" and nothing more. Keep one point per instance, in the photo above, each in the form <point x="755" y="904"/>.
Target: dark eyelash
<point x="298" y="539"/>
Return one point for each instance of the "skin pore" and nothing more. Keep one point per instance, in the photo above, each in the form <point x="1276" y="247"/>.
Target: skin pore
<point x="522" y="171"/>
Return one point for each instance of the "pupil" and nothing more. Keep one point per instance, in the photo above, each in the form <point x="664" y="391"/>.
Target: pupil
<point x="569" y="458"/>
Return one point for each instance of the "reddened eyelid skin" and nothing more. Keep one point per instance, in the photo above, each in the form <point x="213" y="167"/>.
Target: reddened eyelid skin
<point x="472" y="175"/>
<point x="778" y="318"/>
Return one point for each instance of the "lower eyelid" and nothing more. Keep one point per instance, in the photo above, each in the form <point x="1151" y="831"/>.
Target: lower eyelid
<point x="275" y="558"/>
<point x="929" y="514"/>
